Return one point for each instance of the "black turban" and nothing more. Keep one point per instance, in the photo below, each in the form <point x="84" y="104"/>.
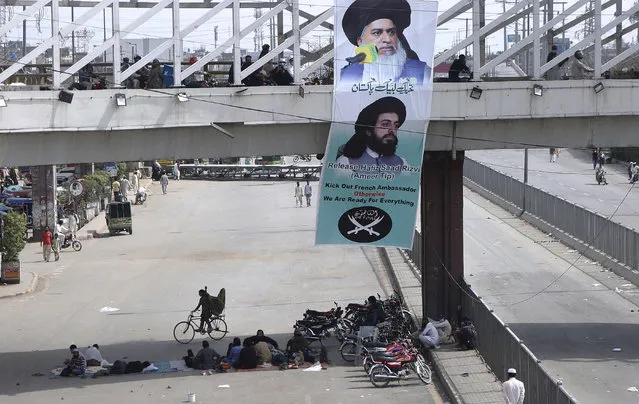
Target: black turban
<point x="367" y="118"/>
<point x="363" y="12"/>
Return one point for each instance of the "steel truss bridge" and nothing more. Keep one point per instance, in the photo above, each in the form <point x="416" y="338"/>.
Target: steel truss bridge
<point x="605" y="23"/>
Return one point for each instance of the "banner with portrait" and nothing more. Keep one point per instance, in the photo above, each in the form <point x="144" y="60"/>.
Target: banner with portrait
<point x="369" y="189"/>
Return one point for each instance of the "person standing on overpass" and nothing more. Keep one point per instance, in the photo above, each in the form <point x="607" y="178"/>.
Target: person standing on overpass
<point x="514" y="389"/>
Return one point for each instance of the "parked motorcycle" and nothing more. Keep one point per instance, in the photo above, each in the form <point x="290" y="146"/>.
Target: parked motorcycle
<point x="399" y="367"/>
<point x="140" y="196"/>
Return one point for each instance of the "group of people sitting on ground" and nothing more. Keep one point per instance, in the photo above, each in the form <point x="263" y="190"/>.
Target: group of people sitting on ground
<point x="77" y="364"/>
<point x="433" y="333"/>
<point x="256" y="351"/>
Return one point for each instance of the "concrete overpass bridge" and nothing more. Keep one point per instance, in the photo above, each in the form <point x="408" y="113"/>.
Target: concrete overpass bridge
<point x="37" y="128"/>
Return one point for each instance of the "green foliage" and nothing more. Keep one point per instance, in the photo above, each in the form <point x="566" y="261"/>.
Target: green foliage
<point x="122" y="170"/>
<point x="14" y="226"/>
<point x="96" y="185"/>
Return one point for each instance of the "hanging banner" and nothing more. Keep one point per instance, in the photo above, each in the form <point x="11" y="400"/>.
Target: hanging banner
<point x="370" y="183"/>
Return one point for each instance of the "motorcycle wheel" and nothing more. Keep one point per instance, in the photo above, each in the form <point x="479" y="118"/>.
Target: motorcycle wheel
<point x="368" y="364"/>
<point x="379" y="370"/>
<point x="77" y="245"/>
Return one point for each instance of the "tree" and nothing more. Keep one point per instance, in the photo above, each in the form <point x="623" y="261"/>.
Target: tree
<point x="14" y="227"/>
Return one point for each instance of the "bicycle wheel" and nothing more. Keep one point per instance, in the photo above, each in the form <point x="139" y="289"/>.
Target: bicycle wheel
<point x="218" y="329"/>
<point x="423" y="370"/>
<point x="348" y="350"/>
<point x="380" y="375"/>
<point x="183" y="332"/>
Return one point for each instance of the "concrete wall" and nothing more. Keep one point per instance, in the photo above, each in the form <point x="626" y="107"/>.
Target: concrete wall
<point x="36" y="128"/>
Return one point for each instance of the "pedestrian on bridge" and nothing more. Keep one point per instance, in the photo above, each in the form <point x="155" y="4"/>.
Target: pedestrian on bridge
<point x="514" y="389"/>
<point x="164" y="181"/>
<point x="553" y="154"/>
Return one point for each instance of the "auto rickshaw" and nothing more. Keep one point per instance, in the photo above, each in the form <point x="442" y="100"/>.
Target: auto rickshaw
<point x="118" y="217"/>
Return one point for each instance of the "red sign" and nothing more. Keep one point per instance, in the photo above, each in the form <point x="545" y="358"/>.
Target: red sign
<point x="11" y="270"/>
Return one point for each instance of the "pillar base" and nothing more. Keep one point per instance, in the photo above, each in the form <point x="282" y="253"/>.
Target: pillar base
<point x="443" y="236"/>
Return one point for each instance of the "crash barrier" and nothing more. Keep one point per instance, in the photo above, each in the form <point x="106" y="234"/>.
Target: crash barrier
<point x="610" y="238"/>
<point x="500" y="348"/>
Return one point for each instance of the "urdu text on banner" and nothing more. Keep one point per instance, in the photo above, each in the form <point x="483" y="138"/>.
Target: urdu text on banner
<point x="369" y="189"/>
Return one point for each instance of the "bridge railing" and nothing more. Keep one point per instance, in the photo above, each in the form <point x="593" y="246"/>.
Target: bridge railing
<point x="596" y="231"/>
<point x="602" y="27"/>
<point x="500" y="347"/>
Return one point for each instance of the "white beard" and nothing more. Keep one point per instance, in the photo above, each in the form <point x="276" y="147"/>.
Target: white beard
<point x="386" y="67"/>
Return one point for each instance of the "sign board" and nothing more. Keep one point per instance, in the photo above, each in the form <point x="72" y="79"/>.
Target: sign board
<point x="77" y="188"/>
<point x="513" y="38"/>
<point x="111" y="169"/>
<point x="369" y="188"/>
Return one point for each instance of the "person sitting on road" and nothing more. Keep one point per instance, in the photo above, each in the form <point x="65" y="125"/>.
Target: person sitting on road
<point x="259" y="337"/>
<point x="248" y="357"/>
<point x="205" y="304"/>
<point x="445" y="330"/>
<point x="428" y="336"/>
<point x="233" y="353"/>
<point x="264" y="355"/>
<point x="467" y="335"/>
<point x="93" y="356"/>
<point x="296" y="346"/>
<point x="206" y="358"/>
<point x="76" y="365"/>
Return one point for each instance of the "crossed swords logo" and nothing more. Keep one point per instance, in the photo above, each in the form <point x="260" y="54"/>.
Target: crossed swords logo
<point x="368" y="228"/>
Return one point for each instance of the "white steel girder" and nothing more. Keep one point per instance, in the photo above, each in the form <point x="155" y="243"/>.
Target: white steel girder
<point x="541" y="34"/>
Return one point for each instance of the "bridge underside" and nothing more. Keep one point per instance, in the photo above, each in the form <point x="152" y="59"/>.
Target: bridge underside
<point x="61" y="147"/>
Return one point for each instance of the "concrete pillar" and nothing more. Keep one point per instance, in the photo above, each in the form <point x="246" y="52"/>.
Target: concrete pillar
<point x="85" y="169"/>
<point x="442" y="230"/>
<point x="44" y="199"/>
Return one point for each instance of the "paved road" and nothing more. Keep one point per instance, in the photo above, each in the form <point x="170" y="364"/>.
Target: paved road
<point x="575" y="323"/>
<point x="248" y="237"/>
<point x="571" y="177"/>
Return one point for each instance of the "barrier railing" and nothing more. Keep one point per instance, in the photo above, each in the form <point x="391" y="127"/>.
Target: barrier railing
<point x="502" y="349"/>
<point x="611" y="238"/>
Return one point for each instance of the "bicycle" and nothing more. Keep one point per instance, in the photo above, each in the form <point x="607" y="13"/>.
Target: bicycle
<point x="184" y="331"/>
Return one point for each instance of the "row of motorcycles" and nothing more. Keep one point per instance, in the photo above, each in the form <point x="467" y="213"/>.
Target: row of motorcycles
<point x="388" y="354"/>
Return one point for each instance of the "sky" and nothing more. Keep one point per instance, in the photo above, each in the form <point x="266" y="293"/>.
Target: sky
<point x="159" y="26"/>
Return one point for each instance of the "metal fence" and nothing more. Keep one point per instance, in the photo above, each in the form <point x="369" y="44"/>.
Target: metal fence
<point x="501" y="349"/>
<point x="613" y="239"/>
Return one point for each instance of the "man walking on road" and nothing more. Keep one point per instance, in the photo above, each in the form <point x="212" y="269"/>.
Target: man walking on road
<point x="514" y="389"/>
<point x="298" y="195"/>
<point x="125" y="185"/>
<point x="164" y="181"/>
<point x="46" y="244"/>
<point x="308" y="192"/>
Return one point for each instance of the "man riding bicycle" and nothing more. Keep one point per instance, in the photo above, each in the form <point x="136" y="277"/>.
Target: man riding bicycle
<point x="207" y="310"/>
